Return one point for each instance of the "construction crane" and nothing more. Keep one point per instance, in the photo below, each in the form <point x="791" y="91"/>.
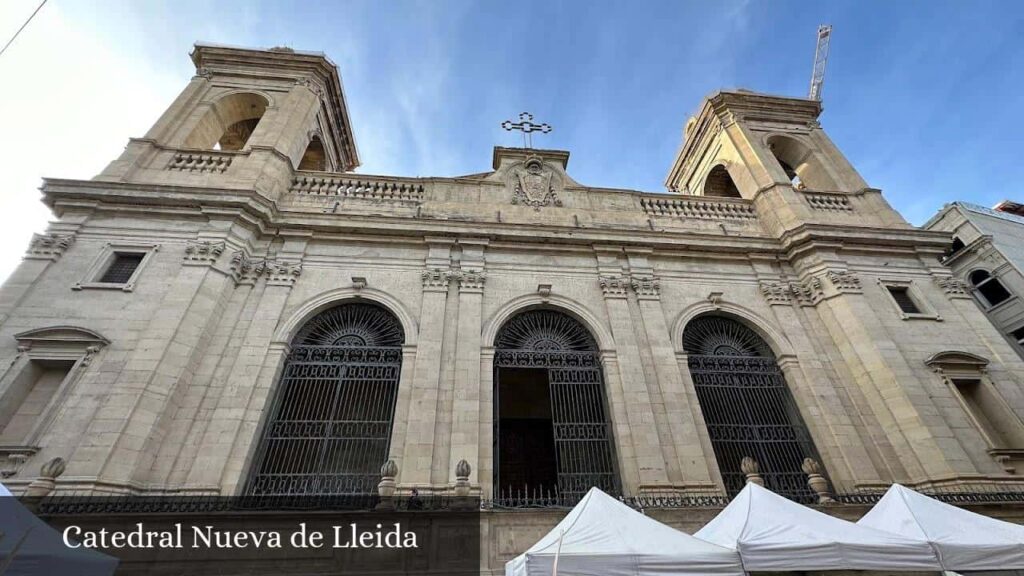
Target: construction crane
<point x="820" y="59"/>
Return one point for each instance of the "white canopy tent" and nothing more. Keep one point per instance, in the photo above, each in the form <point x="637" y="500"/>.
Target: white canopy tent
<point x="31" y="547"/>
<point x="964" y="541"/>
<point x="772" y="533"/>
<point x="602" y="536"/>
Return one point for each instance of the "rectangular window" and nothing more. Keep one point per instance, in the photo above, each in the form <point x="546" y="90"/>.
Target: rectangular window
<point x="1018" y="335"/>
<point x="901" y="294"/>
<point x="1000" y="426"/>
<point x="122" y="267"/>
<point x="26" y="400"/>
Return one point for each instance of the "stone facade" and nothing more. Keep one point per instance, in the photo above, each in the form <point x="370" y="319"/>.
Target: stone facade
<point x="168" y="376"/>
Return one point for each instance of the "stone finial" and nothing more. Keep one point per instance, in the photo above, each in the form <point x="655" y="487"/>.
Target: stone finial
<point x="752" y="470"/>
<point x="462" y="471"/>
<point x="816" y="480"/>
<point x="386" y="486"/>
<point x="47" y="479"/>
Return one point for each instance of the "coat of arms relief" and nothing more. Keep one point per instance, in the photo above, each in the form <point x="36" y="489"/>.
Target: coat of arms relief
<point x="534" y="184"/>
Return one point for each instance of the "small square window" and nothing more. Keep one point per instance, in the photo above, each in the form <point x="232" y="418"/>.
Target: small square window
<point x="122" y="268"/>
<point x="117" y="266"/>
<point x="901" y="294"/>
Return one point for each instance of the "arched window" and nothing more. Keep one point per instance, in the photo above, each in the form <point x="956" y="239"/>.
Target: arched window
<point x="989" y="287"/>
<point x="315" y="158"/>
<point x="801" y="165"/>
<point x="747" y="406"/>
<point x="552" y="436"/>
<point x="720" y="184"/>
<point x="229" y="123"/>
<point x="329" y="429"/>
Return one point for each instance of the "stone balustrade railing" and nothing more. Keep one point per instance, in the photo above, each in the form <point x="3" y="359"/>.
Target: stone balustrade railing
<point x="203" y="162"/>
<point x="833" y="202"/>
<point x="703" y="209"/>
<point x="356" y="187"/>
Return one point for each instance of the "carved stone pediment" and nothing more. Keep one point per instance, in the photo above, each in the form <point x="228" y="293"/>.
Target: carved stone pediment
<point x="956" y="360"/>
<point x="61" y="335"/>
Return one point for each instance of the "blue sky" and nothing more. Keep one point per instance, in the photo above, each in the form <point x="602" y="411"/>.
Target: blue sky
<point x="924" y="98"/>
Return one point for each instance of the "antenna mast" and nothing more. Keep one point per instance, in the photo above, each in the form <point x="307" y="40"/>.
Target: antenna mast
<point x="820" y="59"/>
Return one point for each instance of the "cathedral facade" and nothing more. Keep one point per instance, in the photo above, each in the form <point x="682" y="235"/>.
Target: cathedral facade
<point x="228" y="309"/>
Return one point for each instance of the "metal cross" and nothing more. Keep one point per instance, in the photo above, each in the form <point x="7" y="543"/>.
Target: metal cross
<point x="527" y="127"/>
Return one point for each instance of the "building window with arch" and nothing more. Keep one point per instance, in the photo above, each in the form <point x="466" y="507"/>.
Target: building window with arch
<point x="552" y="434"/>
<point x="229" y="123"/>
<point x="329" y="427"/>
<point x="315" y="157"/>
<point x="720" y="184"/>
<point x="989" y="288"/>
<point x="747" y="406"/>
<point x="802" y="167"/>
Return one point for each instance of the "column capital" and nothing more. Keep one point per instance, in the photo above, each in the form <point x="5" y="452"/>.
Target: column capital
<point x="471" y="280"/>
<point x="613" y="286"/>
<point x="203" y="252"/>
<point x="436" y="279"/>
<point x="282" y="272"/>
<point x="647" y="287"/>
<point x="48" y="246"/>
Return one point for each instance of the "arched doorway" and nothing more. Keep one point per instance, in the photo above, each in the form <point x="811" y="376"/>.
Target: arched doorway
<point x="552" y="435"/>
<point x="747" y="406"/>
<point x="329" y="428"/>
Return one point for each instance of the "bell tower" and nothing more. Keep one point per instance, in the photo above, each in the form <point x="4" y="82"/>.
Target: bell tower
<point x="772" y="150"/>
<point x="247" y="119"/>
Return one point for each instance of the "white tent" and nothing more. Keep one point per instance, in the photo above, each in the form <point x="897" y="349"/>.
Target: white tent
<point x="772" y="533"/>
<point x="963" y="540"/>
<point x="602" y="536"/>
<point x="30" y="547"/>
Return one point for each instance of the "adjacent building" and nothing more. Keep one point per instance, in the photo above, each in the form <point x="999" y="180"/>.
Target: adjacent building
<point x="987" y="252"/>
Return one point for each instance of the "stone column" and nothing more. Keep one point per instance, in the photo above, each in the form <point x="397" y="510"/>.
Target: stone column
<point x="649" y="460"/>
<point x="818" y="395"/>
<point x="884" y="375"/>
<point x="418" y="452"/>
<point x="43" y="250"/>
<point x="679" y="423"/>
<point x="133" y="420"/>
<point x="465" y="441"/>
<point x="232" y="426"/>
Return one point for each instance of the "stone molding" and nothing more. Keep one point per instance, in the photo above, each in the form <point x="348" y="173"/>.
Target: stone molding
<point x="845" y="282"/>
<point x="282" y="272"/>
<point x="436" y="279"/>
<point x="614" y="286"/>
<point x="49" y="246"/>
<point x="646" y="287"/>
<point x="202" y="162"/>
<point x="953" y="287"/>
<point x="203" y="252"/>
<point x="776" y="292"/>
<point x="245" y="270"/>
<point x="828" y="202"/>
<point x="471" y="280"/>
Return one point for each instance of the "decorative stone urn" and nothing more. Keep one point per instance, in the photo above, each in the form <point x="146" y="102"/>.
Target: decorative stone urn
<point x="752" y="470"/>
<point x="386" y="486"/>
<point x="462" y="471"/>
<point x="47" y="479"/>
<point x="817" y="481"/>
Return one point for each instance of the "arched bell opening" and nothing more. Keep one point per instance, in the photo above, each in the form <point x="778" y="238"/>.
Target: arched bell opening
<point x="552" y="434"/>
<point x="720" y="184"/>
<point x="747" y="406"/>
<point x="229" y="122"/>
<point x="329" y="427"/>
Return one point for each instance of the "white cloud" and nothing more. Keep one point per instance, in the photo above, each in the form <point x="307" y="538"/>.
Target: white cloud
<point x="70" y="101"/>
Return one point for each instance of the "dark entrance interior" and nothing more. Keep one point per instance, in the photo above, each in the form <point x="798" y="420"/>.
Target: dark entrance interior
<point x="526" y="442"/>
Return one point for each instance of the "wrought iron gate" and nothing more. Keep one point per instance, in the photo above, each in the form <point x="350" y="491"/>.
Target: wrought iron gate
<point x="557" y="343"/>
<point x="330" y="425"/>
<point x="747" y="406"/>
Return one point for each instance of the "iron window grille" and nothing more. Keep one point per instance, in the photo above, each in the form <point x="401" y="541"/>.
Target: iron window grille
<point x="122" y="267"/>
<point x="747" y="406"/>
<point x="329" y="429"/>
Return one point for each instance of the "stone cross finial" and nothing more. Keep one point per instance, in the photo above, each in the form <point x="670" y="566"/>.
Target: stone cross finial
<point x="816" y="480"/>
<point x="527" y="127"/>
<point x="752" y="470"/>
